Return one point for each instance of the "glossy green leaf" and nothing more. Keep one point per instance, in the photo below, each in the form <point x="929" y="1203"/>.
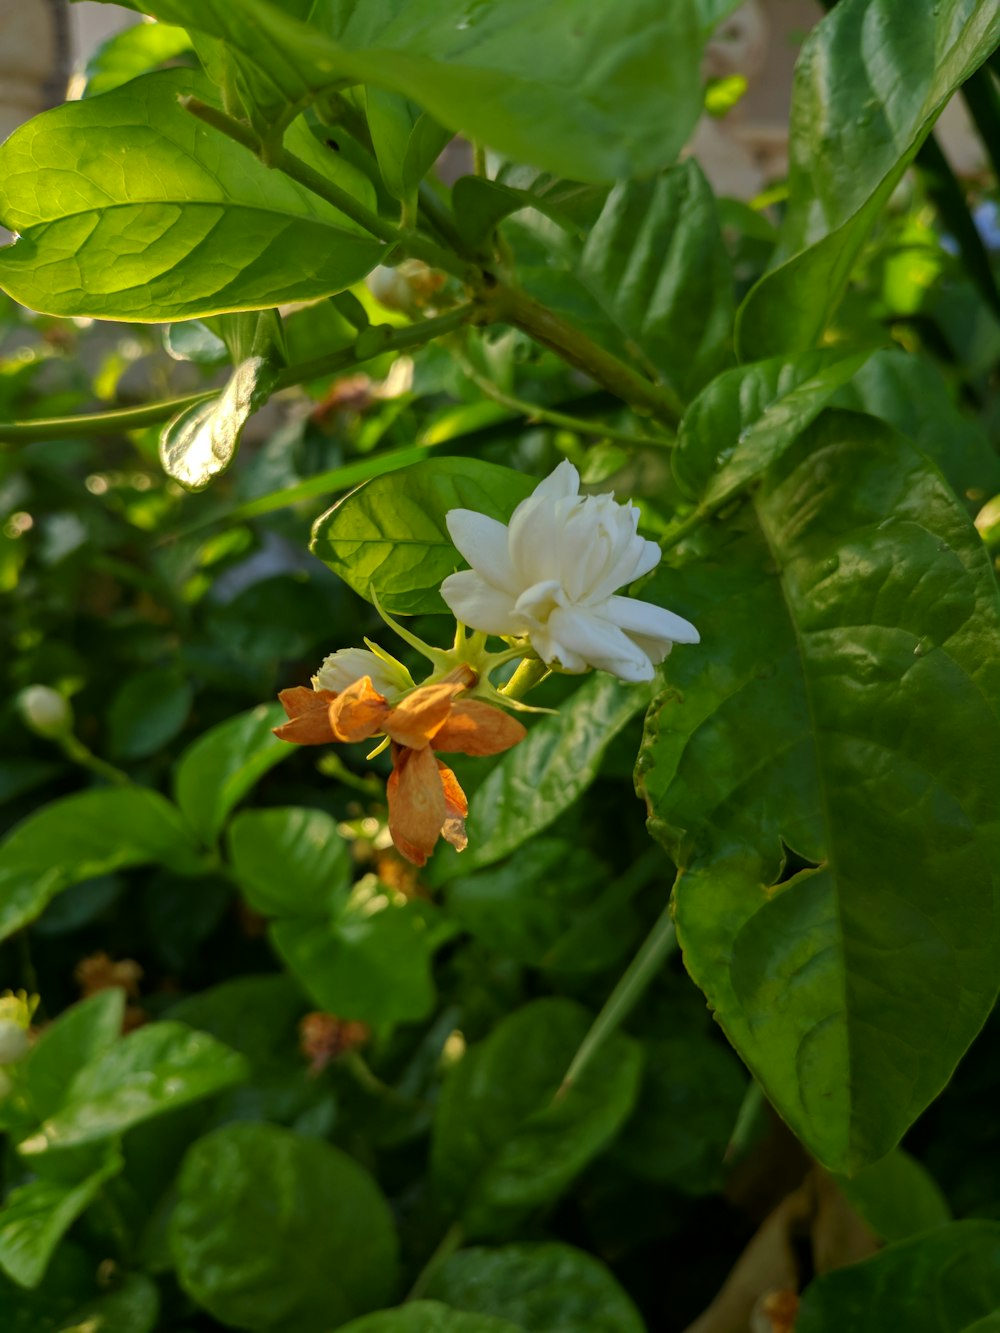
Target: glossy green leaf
<point x="910" y="393"/>
<point x="200" y="443"/>
<point x="746" y="418"/>
<point x="218" y="770"/>
<point x="503" y="1144"/>
<point x="77" y="1038"/>
<point x="533" y="905"/>
<point x="148" y="711"/>
<point x="389" y="536"/>
<point x="127" y="207"/>
<point x="255" y="1015"/>
<point x="371" y="961"/>
<point x="656" y="261"/>
<point x="289" y="861"/>
<point x="944" y="1282"/>
<point x="870" y="81"/>
<point x="549" y="1288"/>
<point x="842" y="705"/>
<point x="897" y="1197"/>
<point x="429" y="1317"/>
<point x="151" y="1071"/>
<point x="618" y="91"/>
<point x="479" y="204"/>
<point x="406" y="140"/>
<point x="276" y="1231"/>
<point x="194" y="340"/>
<point x="135" y="51"/>
<point x="35" y="1217"/>
<point x="691" y="1094"/>
<point x="537" y="780"/>
<point x="82" y="836"/>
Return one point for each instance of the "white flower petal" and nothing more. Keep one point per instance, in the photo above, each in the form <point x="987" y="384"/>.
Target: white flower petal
<point x="649" y="620"/>
<point x="554" y="653"/>
<point x="600" y="643"/>
<point x="561" y="484"/>
<point x="348" y="665"/>
<point x="482" y="541"/>
<point x="479" y="604"/>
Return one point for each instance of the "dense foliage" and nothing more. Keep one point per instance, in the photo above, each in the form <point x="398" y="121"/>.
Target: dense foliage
<point x="356" y="1091"/>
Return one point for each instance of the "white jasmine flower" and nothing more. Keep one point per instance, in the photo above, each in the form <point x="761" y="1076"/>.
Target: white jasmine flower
<point x="45" y="711"/>
<point x="343" y="668"/>
<point x="551" y="575"/>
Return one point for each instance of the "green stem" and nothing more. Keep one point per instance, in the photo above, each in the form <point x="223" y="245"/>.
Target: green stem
<point x="657" y="946"/>
<point x="534" y="412"/>
<point x="747" y="1120"/>
<point x="685" y="526"/>
<point x="407" y="241"/>
<point x="450" y="1242"/>
<point x="371" y="343"/>
<point x="74" y="749"/>
<point x="527" y="675"/>
<point x="512" y="306"/>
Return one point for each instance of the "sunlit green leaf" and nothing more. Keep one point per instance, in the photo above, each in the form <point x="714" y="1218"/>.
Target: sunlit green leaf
<point x="200" y="443"/>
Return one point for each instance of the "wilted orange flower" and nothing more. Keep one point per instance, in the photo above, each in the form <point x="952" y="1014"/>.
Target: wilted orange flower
<point x="425" y="799"/>
<point x="324" y="1037"/>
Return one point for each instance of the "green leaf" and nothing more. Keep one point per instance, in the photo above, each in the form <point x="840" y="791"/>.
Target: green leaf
<point x="71" y="1302"/>
<point x="151" y="1071"/>
<point x="656" y="261"/>
<point x="148" y="711"/>
<point x="77" y="1038"/>
<point x="944" y="1282"/>
<point x="429" y="1317"/>
<point x="275" y="1231"/>
<point x="540" y="1288"/>
<point x="80" y="837"/>
<point x="503" y="1144"/>
<point x="479" y="204"/>
<point x="910" y="393"/>
<point x="127" y="207"/>
<point x="35" y="1217"/>
<point x="200" y="443"/>
<point x="290" y="861"/>
<point x="531" y="905"/>
<point x="221" y="766"/>
<point x="841" y="708"/>
<point x="870" y="81"/>
<point x="691" y="1096"/>
<point x="745" y="419"/>
<point x="195" y="340"/>
<point x="897" y="1197"/>
<point x="389" y="538"/>
<point x="371" y="961"/>
<point x="131" y="53"/>
<point x="254" y="1015"/>
<point x="406" y="140"/>
<point x="536" y="781"/>
<point x="618" y="91"/>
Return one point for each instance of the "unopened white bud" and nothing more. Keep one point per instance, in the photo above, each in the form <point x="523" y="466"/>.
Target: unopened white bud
<point x="406" y="287"/>
<point x="45" y="711"/>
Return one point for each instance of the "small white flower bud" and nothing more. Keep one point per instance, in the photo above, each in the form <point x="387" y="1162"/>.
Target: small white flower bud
<point x="13" y="1042"/>
<point x="45" y="711"/>
<point x="406" y="287"/>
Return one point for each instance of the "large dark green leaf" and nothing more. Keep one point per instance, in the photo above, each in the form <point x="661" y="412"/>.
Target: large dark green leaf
<point x="148" y="712"/>
<point x="200" y="443"/>
<point x="842" y="705"/>
<point x="80" y="837"/>
<point x="71" y="1300"/>
<point x="746" y="417"/>
<point x="389" y="536"/>
<point x="656" y="261"/>
<point x="429" y="1317"/>
<point x="34" y="1218"/>
<point x="276" y="1231"/>
<point x="77" y="1037"/>
<point x="127" y="207"/>
<point x="221" y="766"/>
<point x="151" y="1071"/>
<point x="542" y="1288"/>
<point x="870" y="81"/>
<point x="911" y="393"/>
<point x="503" y="1143"/>
<point x="617" y="89"/>
<point x="536" y="781"/>
<point x="944" y="1282"/>
<point x="289" y="861"/>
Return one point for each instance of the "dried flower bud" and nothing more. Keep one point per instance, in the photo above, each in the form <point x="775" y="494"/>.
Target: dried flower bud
<point x="324" y="1037"/>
